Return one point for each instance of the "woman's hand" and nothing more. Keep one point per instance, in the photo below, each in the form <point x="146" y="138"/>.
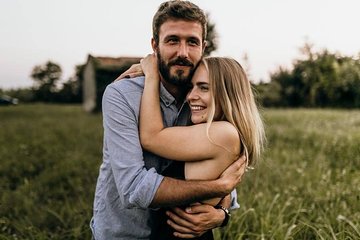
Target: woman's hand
<point x="133" y="72"/>
<point x="149" y="67"/>
<point x="149" y="63"/>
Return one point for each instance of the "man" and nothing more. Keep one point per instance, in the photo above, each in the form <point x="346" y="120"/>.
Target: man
<point x="129" y="185"/>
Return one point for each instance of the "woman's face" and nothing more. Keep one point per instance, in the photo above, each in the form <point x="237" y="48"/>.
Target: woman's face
<point x="199" y="97"/>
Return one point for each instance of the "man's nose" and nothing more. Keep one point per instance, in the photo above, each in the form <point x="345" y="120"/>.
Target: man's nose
<point x="183" y="51"/>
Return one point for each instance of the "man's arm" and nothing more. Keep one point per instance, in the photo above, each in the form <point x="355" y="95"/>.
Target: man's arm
<point x="136" y="185"/>
<point x="173" y="192"/>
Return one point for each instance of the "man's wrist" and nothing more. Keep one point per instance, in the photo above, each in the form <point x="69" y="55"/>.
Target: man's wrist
<point x="226" y="201"/>
<point x="223" y="187"/>
<point x="226" y="214"/>
<point x="226" y="185"/>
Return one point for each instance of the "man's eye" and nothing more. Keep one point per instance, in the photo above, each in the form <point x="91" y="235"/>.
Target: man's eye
<point x="193" y="43"/>
<point x="172" y="41"/>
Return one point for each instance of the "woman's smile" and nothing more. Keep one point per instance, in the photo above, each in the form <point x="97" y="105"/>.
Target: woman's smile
<point x="197" y="108"/>
<point x="199" y="97"/>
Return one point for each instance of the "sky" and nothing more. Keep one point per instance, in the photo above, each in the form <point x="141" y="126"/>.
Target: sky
<point x="269" y="32"/>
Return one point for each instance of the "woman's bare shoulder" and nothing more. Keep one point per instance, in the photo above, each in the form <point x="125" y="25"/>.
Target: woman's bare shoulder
<point x="225" y="134"/>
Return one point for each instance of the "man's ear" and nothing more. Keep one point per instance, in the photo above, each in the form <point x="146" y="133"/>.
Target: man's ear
<point x="204" y="46"/>
<point x="154" y="45"/>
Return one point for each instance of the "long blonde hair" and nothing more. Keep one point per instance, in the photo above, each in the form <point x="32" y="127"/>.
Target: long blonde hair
<point x="232" y="92"/>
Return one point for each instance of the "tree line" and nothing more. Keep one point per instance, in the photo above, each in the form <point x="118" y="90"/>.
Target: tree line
<point x="316" y="79"/>
<point x="47" y="86"/>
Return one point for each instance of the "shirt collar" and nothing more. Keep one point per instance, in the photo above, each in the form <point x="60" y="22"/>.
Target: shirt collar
<point x="166" y="97"/>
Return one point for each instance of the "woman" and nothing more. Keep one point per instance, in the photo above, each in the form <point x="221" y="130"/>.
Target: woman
<point x="226" y="122"/>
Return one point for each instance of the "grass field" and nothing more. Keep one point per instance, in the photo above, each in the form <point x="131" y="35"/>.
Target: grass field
<point x="306" y="187"/>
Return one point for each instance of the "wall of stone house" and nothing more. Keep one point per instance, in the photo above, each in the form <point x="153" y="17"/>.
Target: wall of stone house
<point x="89" y="87"/>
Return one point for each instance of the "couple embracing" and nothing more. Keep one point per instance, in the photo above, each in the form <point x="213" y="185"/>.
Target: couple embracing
<point x="177" y="139"/>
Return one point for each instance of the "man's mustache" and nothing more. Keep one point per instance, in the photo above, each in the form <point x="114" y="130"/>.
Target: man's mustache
<point x="181" y="62"/>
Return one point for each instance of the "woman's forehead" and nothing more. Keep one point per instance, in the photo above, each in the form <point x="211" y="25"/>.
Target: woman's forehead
<point x="201" y="74"/>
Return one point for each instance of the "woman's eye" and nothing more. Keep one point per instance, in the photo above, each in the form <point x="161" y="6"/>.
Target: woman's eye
<point x="204" y="88"/>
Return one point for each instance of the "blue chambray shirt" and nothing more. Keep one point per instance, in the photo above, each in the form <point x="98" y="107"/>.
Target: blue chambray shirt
<point x="128" y="177"/>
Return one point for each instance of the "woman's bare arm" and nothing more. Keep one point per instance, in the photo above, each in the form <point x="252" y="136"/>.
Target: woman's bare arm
<point x="189" y="143"/>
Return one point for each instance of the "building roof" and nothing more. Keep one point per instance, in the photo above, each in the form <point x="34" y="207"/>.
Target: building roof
<point x="109" y="63"/>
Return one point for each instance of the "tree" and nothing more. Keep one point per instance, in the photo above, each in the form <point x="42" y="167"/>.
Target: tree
<point x="46" y="78"/>
<point x="211" y="37"/>
<point x="71" y="90"/>
<point x="318" y="79"/>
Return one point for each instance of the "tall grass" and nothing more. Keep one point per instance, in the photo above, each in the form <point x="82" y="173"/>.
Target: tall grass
<point x="306" y="187"/>
<point x="49" y="160"/>
<point x="308" y="184"/>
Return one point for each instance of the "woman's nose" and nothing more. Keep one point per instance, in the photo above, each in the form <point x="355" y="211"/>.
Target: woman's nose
<point x="192" y="95"/>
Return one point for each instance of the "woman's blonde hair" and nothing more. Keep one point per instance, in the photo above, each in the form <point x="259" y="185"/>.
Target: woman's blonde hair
<point x="232" y="93"/>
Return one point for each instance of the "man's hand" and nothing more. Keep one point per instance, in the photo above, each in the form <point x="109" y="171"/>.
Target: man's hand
<point x="194" y="221"/>
<point x="134" y="71"/>
<point x="232" y="175"/>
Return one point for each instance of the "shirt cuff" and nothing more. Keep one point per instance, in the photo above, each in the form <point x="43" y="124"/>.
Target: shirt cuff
<point x="146" y="190"/>
<point x="234" y="203"/>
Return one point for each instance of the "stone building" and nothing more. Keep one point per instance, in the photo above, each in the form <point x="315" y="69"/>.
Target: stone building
<point x="97" y="73"/>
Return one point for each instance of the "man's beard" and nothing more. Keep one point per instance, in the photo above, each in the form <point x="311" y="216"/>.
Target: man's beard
<point x="179" y="78"/>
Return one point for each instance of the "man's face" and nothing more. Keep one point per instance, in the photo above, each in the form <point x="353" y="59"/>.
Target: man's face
<point x="179" y="50"/>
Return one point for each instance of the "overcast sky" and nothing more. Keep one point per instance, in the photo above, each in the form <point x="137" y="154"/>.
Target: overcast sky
<point x="270" y="32"/>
